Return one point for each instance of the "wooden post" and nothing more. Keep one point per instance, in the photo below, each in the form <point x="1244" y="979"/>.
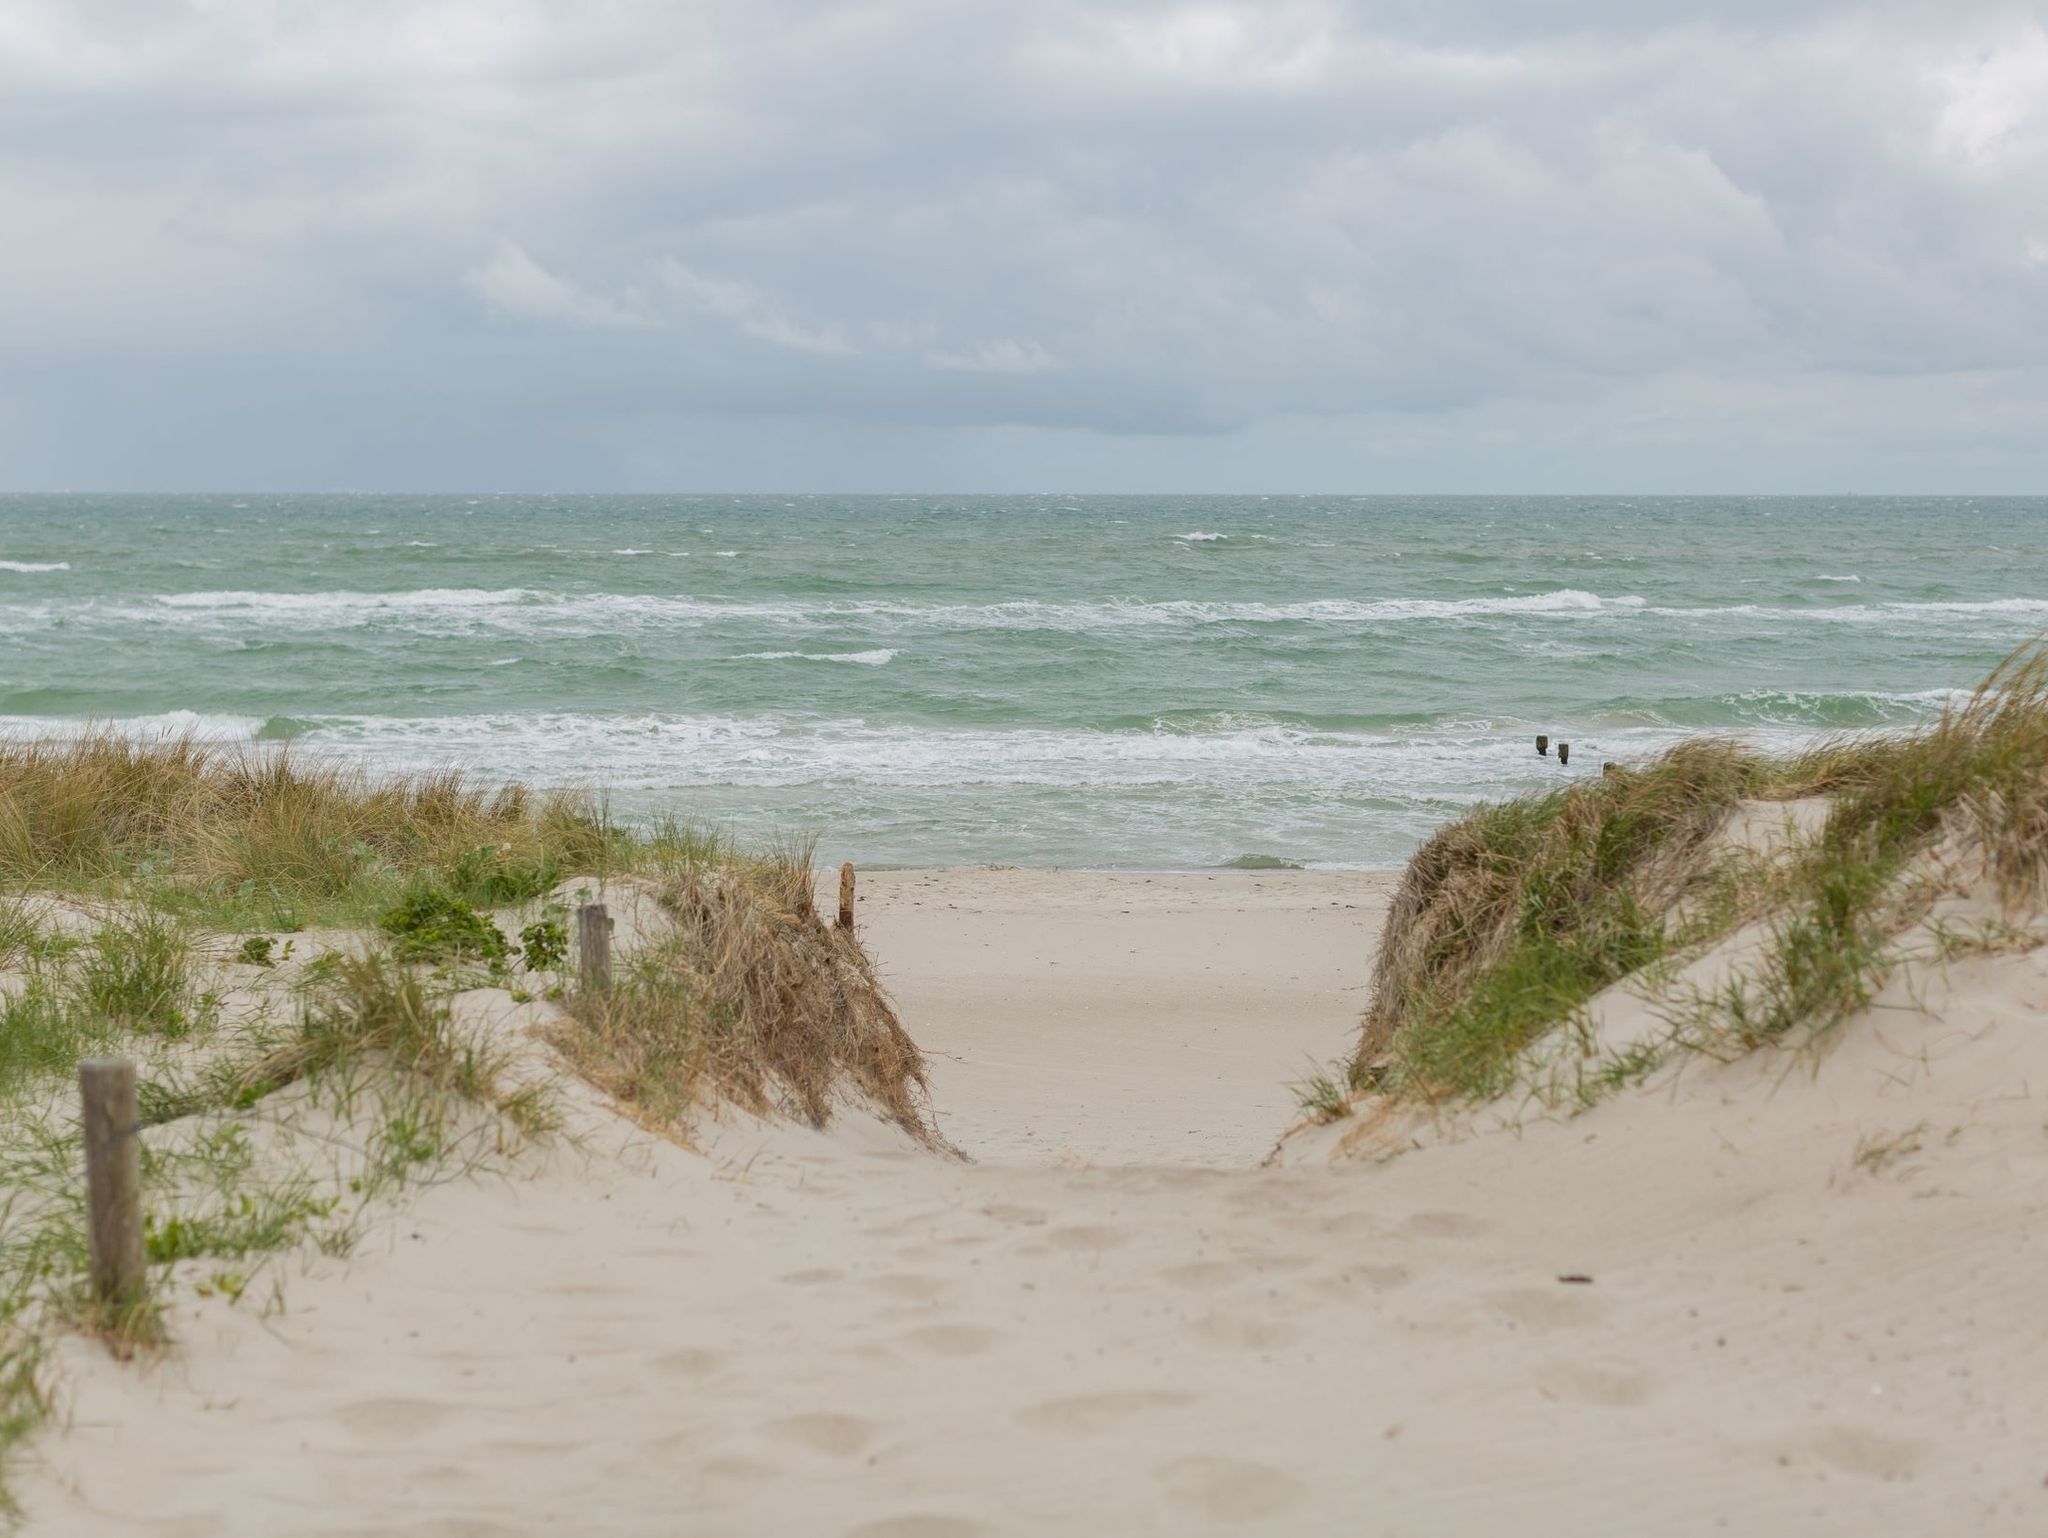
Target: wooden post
<point x="846" y="895"/>
<point x="113" y="1178"/>
<point x="1564" y="753"/>
<point x="1542" y="746"/>
<point x="1610" y="769"/>
<point x="594" y="946"/>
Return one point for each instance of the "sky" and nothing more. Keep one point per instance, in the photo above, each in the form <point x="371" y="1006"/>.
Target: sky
<point x="945" y="245"/>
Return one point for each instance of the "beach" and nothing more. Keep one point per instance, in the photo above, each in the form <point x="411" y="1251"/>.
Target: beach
<point x="1696" y="1309"/>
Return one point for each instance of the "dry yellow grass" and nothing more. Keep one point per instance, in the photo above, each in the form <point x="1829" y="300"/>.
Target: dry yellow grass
<point x="754" y="997"/>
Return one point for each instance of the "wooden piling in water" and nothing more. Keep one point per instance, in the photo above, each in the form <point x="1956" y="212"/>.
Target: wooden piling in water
<point x="594" y="946"/>
<point x="1542" y="746"/>
<point x="846" y="895"/>
<point x="113" y="1178"/>
<point x="1564" y="753"/>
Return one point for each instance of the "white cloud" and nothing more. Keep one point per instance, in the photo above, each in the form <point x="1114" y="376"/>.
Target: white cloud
<point x="513" y="282"/>
<point x="750" y="312"/>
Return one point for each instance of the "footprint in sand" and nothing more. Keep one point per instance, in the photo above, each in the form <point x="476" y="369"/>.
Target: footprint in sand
<point x="1233" y="1334"/>
<point x="689" y="1362"/>
<point x="1540" y="1310"/>
<point x="394" y="1419"/>
<point x="1211" y="1275"/>
<point x="1086" y="1238"/>
<point x="1090" y="1413"/>
<point x="951" y="1339"/>
<point x="1446" y="1225"/>
<point x="1857" y="1452"/>
<point x="840" y="1436"/>
<point x="1616" y="1386"/>
<point x="1015" y="1216"/>
<point x="918" y="1525"/>
<point x="1355" y="1279"/>
<point x="1228" y="1489"/>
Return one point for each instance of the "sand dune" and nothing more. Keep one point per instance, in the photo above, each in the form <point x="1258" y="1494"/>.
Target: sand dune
<point x="1771" y="1297"/>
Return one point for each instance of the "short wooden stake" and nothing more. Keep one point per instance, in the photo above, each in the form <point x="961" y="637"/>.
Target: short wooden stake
<point x="846" y="895"/>
<point x="1542" y="746"/>
<point x="1564" y="753"/>
<point x="113" y="1178"/>
<point x="594" y="946"/>
<point x="1610" y="769"/>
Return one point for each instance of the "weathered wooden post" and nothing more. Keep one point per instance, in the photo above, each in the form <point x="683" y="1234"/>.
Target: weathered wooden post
<point x="594" y="946"/>
<point x="846" y="895"/>
<point x="1564" y="753"/>
<point x="113" y="1178"/>
<point x="1542" y="746"/>
<point x="1610" y="769"/>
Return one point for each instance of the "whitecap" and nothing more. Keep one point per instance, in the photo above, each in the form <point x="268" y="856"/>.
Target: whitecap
<point x="1200" y="537"/>
<point x="26" y="566"/>
<point x="875" y="658"/>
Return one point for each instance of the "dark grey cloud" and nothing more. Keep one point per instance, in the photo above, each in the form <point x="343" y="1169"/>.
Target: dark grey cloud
<point x="924" y="242"/>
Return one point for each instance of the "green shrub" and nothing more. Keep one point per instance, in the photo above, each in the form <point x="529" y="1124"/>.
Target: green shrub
<point x="544" y="945"/>
<point x="432" y="925"/>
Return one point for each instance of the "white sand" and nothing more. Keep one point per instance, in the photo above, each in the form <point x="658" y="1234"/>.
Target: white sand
<point x="1115" y="1324"/>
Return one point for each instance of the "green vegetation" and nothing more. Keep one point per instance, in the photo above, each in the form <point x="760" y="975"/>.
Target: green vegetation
<point x="1321" y="1095"/>
<point x="246" y="839"/>
<point x="544" y="945"/>
<point x="137" y="972"/>
<point x="1509" y="921"/>
<point x="436" y="926"/>
<point x="278" y="1102"/>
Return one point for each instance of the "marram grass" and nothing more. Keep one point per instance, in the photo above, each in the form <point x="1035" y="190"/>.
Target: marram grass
<point x="1510" y="920"/>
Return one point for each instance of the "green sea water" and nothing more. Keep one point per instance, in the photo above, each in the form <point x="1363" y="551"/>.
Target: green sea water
<point x="1103" y="681"/>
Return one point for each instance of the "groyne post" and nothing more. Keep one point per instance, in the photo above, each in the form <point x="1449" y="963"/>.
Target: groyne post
<point x="846" y="896"/>
<point x="1542" y="746"/>
<point x="594" y="946"/>
<point x="113" y="1178"/>
<point x="1564" y="753"/>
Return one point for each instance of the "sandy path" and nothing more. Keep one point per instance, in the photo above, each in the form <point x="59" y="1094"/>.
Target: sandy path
<point x="1119" y="1019"/>
<point x="833" y="1335"/>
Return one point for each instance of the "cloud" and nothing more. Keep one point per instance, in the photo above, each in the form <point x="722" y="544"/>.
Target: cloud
<point x="1002" y="356"/>
<point x="514" y="283"/>
<point x="750" y="312"/>
<point x="1144" y="234"/>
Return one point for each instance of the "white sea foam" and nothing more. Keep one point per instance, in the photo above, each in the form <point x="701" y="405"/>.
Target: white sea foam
<point x="874" y="659"/>
<point x="630" y="551"/>
<point x="27" y="566"/>
<point x="348" y="602"/>
<point x="528" y="607"/>
<point x="1200" y="538"/>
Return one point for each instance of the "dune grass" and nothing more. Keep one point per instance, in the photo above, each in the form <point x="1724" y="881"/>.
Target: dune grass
<point x="752" y="997"/>
<point x="139" y="881"/>
<point x="259" y="839"/>
<point x="1509" y="921"/>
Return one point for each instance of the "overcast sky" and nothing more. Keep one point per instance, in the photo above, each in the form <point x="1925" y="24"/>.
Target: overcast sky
<point x="938" y="245"/>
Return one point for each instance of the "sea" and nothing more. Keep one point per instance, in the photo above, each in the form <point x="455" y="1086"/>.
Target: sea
<point x="1162" y="682"/>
